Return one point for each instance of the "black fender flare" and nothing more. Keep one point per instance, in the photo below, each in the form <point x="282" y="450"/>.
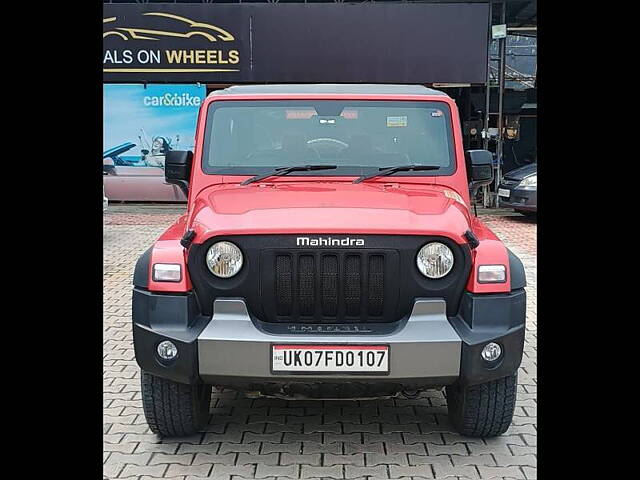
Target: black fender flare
<point x="516" y="271"/>
<point x="141" y="272"/>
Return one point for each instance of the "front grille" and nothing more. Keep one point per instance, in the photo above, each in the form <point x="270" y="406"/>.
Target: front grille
<point x="284" y="282"/>
<point x="329" y="286"/>
<point x="508" y="182"/>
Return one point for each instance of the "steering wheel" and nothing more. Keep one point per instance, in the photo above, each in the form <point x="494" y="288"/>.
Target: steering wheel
<point x="327" y="144"/>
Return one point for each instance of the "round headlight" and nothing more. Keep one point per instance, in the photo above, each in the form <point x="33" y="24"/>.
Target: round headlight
<point x="435" y="260"/>
<point x="224" y="259"/>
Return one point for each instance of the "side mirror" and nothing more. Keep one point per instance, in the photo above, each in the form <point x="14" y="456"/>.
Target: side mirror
<point x="479" y="169"/>
<point x="177" y="168"/>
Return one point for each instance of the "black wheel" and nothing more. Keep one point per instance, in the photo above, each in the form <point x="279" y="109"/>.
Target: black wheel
<point x="483" y="410"/>
<point x="174" y="409"/>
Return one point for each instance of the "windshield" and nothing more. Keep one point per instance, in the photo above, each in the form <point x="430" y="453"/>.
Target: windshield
<point x="360" y="137"/>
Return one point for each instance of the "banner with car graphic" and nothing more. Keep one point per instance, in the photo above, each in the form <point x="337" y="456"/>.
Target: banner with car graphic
<point x="184" y="43"/>
<point x="141" y="124"/>
<point x="278" y="42"/>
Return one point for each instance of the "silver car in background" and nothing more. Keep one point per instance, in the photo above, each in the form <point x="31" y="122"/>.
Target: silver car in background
<point x="519" y="190"/>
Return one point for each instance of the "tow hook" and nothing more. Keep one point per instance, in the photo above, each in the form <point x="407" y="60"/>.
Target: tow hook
<point x="411" y="394"/>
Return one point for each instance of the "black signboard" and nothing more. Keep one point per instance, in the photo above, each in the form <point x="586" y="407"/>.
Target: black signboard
<point x="235" y="43"/>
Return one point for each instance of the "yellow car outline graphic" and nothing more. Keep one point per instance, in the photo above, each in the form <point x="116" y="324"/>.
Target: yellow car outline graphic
<point x="141" y="33"/>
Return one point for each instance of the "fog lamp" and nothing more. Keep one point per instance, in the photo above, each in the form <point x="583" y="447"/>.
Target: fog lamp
<point x="167" y="350"/>
<point x="491" y="352"/>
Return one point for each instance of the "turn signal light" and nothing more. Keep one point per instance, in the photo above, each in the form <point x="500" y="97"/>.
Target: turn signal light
<point x="167" y="272"/>
<point x="492" y="274"/>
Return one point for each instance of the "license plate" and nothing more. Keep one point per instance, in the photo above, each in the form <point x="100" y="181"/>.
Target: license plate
<point x="330" y="359"/>
<point x="503" y="192"/>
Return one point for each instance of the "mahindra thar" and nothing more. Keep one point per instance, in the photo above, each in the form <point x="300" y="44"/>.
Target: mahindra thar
<point x="329" y="250"/>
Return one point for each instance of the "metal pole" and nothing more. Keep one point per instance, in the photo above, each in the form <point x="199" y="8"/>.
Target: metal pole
<point x="503" y="49"/>
<point x="485" y="140"/>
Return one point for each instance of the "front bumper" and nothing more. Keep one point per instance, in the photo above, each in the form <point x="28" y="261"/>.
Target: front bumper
<point x="232" y="349"/>
<point x="525" y="199"/>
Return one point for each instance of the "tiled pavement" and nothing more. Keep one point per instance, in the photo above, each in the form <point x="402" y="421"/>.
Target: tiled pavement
<point x="261" y="438"/>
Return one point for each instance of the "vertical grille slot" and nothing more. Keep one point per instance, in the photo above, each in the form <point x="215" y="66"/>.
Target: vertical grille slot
<point x="284" y="285"/>
<point x="329" y="283"/>
<point x="352" y="285"/>
<point x="376" y="285"/>
<point x="306" y="284"/>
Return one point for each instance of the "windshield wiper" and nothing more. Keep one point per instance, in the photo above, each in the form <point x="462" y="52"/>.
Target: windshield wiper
<point x="285" y="170"/>
<point x="398" y="168"/>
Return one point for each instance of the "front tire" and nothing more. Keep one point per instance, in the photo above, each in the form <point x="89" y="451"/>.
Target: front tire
<point x="483" y="410"/>
<point x="174" y="409"/>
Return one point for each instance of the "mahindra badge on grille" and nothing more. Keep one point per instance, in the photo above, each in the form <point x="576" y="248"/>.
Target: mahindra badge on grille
<point x="329" y="242"/>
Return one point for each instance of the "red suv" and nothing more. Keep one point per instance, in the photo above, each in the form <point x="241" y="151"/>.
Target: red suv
<point x="329" y="251"/>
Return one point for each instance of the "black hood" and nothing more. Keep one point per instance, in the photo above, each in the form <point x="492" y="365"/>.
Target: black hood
<point x="522" y="172"/>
